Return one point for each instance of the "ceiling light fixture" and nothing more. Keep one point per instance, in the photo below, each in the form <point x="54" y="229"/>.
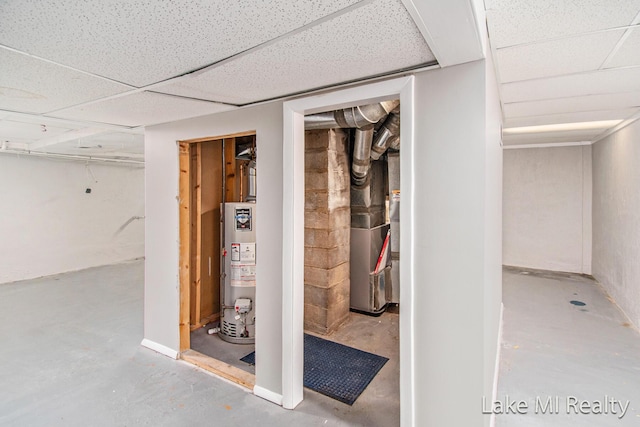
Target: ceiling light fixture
<point x="602" y="124"/>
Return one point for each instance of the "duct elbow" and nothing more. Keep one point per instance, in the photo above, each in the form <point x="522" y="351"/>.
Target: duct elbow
<point x="386" y="135"/>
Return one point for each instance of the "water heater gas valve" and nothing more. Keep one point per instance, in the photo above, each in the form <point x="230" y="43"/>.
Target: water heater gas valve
<point x="243" y="305"/>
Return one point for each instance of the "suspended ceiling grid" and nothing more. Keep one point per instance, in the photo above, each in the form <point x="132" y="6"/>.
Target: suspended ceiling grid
<point x="115" y="66"/>
<point x="565" y="62"/>
<point x="97" y="68"/>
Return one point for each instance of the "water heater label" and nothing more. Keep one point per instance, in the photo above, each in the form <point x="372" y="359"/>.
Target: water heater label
<point x="243" y="273"/>
<point x="248" y="253"/>
<point x="235" y="252"/>
<point x="243" y="219"/>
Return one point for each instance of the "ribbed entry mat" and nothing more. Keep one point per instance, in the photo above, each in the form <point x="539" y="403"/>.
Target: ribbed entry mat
<point x="335" y="370"/>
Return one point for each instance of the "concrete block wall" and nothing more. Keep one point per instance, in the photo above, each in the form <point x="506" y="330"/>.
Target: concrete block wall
<point x="327" y="230"/>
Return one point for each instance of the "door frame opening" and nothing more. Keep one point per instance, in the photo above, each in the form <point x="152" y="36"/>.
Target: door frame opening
<point x="187" y="237"/>
<point x="293" y="230"/>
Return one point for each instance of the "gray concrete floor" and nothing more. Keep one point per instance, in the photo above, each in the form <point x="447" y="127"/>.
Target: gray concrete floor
<point x="213" y="346"/>
<point x="71" y="356"/>
<point x="554" y="348"/>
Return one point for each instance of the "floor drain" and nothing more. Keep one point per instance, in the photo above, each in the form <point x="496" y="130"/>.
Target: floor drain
<point x="578" y="303"/>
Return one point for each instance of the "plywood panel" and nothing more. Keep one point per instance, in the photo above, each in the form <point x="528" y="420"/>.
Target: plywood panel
<point x="232" y="185"/>
<point x="211" y="196"/>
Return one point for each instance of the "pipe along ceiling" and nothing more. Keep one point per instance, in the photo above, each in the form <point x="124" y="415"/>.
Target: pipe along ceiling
<point x="377" y="128"/>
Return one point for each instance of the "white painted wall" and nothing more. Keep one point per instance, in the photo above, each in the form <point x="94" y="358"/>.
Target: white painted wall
<point x="616" y="217"/>
<point x="493" y="231"/>
<point x="456" y="251"/>
<point x="162" y="286"/>
<point x="50" y="225"/>
<point x="457" y="262"/>
<point x="547" y="208"/>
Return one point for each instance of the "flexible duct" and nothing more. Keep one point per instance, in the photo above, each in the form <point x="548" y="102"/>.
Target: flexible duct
<point x="386" y="135"/>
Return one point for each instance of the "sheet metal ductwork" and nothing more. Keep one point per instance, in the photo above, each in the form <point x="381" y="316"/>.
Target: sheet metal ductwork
<point x="363" y="118"/>
<point x="389" y="133"/>
<point x="361" y="154"/>
<point x="354" y="117"/>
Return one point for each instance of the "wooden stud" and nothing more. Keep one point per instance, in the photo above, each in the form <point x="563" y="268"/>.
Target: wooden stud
<point x="230" y="168"/>
<point x="184" y="198"/>
<point x="196" y="210"/>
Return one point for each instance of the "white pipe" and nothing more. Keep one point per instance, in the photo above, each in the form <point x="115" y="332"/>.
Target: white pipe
<point x="71" y="157"/>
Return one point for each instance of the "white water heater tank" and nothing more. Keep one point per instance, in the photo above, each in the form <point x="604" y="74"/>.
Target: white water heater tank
<point x="237" y="323"/>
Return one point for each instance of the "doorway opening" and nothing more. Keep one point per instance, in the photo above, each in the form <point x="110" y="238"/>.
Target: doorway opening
<point x="293" y="231"/>
<point x="218" y="192"/>
<point x="352" y="253"/>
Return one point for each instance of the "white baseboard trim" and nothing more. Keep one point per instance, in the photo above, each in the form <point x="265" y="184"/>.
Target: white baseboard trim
<point x="152" y="345"/>
<point x="267" y="395"/>
<point x="496" y="369"/>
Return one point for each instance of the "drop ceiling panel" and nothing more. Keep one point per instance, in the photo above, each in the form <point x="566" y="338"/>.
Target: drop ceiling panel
<point x="143" y="42"/>
<point x="377" y="38"/>
<point x="515" y="22"/>
<point x="553" y="58"/>
<point x="10" y="129"/>
<point x="629" y="52"/>
<point x="572" y="117"/>
<point x="549" y="137"/>
<point x="141" y="109"/>
<point x="578" y="103"/>
<point x="112" y="144"/>
<point x="31" y="85"/>
<point x="597" y="82"/>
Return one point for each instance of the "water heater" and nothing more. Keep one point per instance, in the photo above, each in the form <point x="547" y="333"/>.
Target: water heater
<point x="238" y="294"/>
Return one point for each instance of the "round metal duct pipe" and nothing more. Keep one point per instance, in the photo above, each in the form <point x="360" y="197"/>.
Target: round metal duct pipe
<point x="354" y="117"/>
<point x="386" y="134"/>
<point x="361" y="154"/>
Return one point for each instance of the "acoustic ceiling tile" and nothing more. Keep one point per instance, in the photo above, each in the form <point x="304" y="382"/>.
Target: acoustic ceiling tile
<point x="629" y="52"/>
<point x="31" y="85"/>
<point x="547" y="137"/>
<point x="112" y="144"/>
<point x="10" y="129"/>
<point x="513" y="22"/>
<point x="374" y="39"/>
<point x="141" y="109"/>
<point x="143" y="42"/>
<point x="553" y="58"/>
<point x="570" y="117"/>
<point x="567" y="105"/>
<point x="597" y="82"/>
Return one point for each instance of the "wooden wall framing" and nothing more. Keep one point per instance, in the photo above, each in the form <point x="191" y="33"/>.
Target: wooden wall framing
<point x="200" y="195"/>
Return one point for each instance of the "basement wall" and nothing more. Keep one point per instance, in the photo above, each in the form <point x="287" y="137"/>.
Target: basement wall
<point x="162" y="296"/>
<point x="456" y="261"/>
<point x="547" y="208"/>
<point x="616" y="217"/>
<point x="50" y="224"/>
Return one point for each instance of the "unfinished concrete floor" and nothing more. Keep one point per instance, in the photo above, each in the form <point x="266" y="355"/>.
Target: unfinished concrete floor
<point x="553" y="347"/>
<point x="71" y="356"/>
<point x="213" y="346"/>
